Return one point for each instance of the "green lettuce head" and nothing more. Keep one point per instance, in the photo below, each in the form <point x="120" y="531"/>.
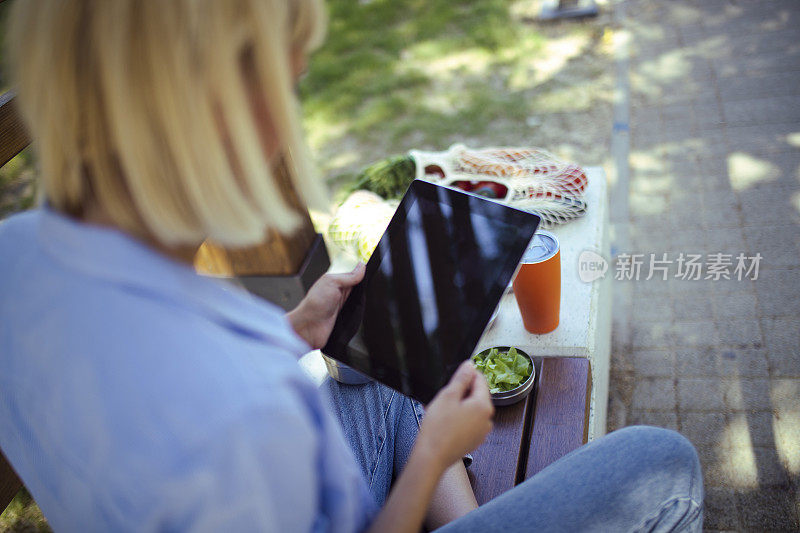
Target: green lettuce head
<point x="504" y="370"/>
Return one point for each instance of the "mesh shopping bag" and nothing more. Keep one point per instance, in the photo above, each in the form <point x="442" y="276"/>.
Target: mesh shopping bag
<point x="528" y="178"/>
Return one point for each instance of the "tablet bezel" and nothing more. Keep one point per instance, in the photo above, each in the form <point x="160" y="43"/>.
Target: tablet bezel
<point x="526" y="222"/>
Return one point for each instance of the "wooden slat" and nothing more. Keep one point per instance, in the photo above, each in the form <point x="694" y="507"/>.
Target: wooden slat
<point x="9" y="483"/>
<point x="13" y="137"/>
<point x="496" y="465"/>
<point x="561" y="414"/>
<point x="494" y="469"/>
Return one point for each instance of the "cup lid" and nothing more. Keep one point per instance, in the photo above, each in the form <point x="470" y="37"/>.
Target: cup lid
<point x="543" y="246"/>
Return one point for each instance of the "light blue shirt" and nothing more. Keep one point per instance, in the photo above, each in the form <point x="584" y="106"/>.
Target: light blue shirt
<point x="136" y="395"/>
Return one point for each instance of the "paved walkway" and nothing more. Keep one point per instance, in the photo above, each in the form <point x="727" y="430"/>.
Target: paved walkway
<point x="715" y="168"/>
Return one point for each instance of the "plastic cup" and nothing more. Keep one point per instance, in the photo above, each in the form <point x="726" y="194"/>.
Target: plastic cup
<point x="537" y="286"/>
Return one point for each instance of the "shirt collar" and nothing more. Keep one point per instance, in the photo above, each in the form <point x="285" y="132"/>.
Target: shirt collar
<point x="115" y="257"/>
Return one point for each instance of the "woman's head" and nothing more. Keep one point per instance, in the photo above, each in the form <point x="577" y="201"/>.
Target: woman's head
<point x="167" y="115"/>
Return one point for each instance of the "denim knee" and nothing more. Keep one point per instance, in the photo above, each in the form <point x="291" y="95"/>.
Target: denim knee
<point x="665" y="443"/>
<point x="668" y="450"/>
<point x="669" y="457"/>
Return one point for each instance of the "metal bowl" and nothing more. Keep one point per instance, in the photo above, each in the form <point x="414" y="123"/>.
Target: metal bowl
<point x="514" y="395"/>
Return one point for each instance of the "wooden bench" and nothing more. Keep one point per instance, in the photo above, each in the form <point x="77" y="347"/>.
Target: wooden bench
<point x="533" y="433"/>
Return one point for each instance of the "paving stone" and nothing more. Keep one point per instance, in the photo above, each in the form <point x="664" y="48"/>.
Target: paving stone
<point x="758" y="167"/>
<point x="654" y="289"/>
<point x="741" y="333"/>
<point x="656" y="284"/>
<point x="648" y="233"/>
<point x="782" y="334"/>
<point x="715" y="466"/>
<point x="650" y="310"/>
<point x="689" y="240"/>
<point x="726" y="240"/>
<point x="702" y="394"/>
<point x="734" y="284"/>
<point x="756" y="466"/>
<point x="693" y="307"/>
<point x="698" y="333"/>
<point x="778" y="292"/>
<point x="774" y="84"/>
<point x="742" y="362"/>
<point x="784" y="394"/>
<point x="702" y="428"/>
<point x="776" y="244"/>
<point x="767" y="510"/>
<point x="750" y="429"/>
<point x="696" y="362"/>
<point x="770" y="207"/>
<point x="655" y="394"/>
<point x="746" y="394"/>
<point x="760" y="40"/>
<point x="723" y="198"/>
<point x="714" y="164"/>
<point x="782" y="338"/>
<point x="684" y="210"/>
<point x="707" y="116"/>
<point x="681" y="287"/>
<point x="645" y="116"/>
<point x="760" y="141"/>
<point x="763" y="110"/>
<point x="786" y="435"/>
<point x="725" y="214"/>
<point x="650" y="335"/>
<point x="656" y="363"/>
<point x="676" y="112"/>
<point x="643" y="137"/>
<point x="721" y="362"/>
<point x="717" y="515"/>
<point x="737" y="304"/>
<point x="755" y="67"/>
<point x="663" y="419"/>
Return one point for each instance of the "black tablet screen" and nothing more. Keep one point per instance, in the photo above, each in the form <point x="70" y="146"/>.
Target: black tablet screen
<point x="430" y="288"/>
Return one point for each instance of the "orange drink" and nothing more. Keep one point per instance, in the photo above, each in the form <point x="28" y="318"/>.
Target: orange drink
<point x="537" y="286"/>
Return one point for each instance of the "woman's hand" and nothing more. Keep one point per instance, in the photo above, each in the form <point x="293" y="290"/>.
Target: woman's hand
<point x="458" y="418"/>
<point x="314" y="317"/>
<point x="456" y="422"/>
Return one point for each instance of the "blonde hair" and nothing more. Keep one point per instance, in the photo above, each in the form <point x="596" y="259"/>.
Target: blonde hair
<point x="146" y="102"/>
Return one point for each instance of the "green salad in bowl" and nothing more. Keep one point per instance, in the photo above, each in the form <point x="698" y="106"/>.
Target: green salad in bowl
<point x="505" y="369"/>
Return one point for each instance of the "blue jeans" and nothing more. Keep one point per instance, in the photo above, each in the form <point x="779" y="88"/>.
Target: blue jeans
<point x="636" y="479"/>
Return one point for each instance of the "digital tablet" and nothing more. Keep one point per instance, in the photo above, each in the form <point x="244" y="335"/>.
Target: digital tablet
<point x="430" y="287"/>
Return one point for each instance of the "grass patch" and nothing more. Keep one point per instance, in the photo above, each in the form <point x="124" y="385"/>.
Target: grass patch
<point x="17" y="184"/>
<point x="382" y="67"/>
<point x="424" y="74"/>
<point x="23" y="515"/>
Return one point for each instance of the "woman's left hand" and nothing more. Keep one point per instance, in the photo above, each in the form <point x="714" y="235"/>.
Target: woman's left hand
<point x="314" y="317"/>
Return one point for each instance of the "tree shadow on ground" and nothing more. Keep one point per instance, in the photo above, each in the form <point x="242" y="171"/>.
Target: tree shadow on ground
<point x="715" y="167"/>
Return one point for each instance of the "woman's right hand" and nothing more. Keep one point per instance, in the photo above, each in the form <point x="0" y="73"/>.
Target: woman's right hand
<point x="458" y="418"/>
<point x="456" y="422"/>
